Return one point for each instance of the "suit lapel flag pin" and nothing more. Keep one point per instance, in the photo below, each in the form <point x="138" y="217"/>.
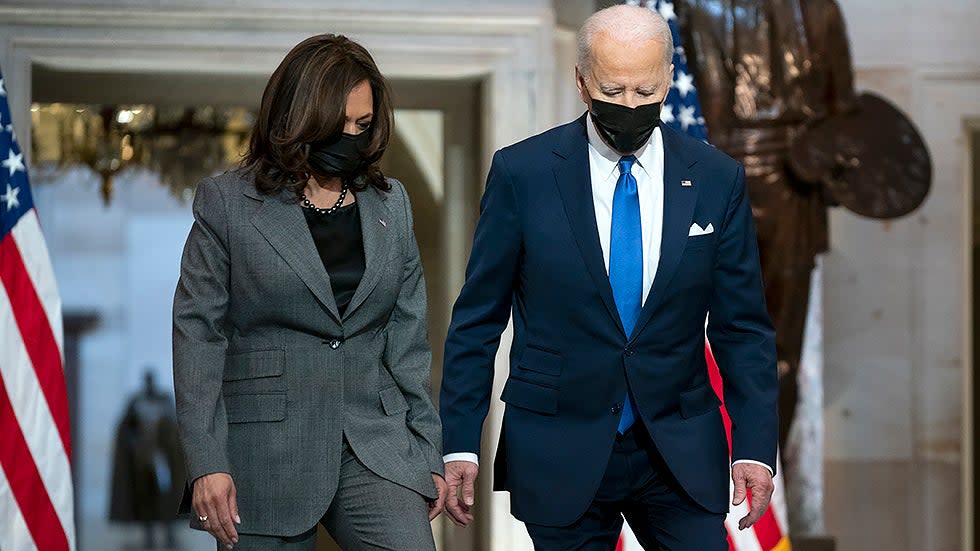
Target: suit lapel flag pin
<point x="686" y="183"/>
<point x="383" y="223"/>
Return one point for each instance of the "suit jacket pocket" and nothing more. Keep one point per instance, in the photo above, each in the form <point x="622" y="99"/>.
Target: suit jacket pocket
<point x="697" y="242"/>
<point x="540" y="360"/>
<point x="528" y="395"/>
<point x="698" y="401"/>
<point x="393" y="401"/>
<point x="254" y="364"/>
<point x="255" y="408"/>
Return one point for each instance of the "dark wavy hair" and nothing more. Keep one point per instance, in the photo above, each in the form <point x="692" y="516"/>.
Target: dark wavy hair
<point x="305" y="101"/>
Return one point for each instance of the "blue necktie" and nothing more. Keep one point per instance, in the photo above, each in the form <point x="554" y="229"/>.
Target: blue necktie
<point x="626" y="261"/>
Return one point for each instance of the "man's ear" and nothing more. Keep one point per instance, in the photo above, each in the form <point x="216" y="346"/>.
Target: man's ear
<point x="583" y="92"/>
<point x="670" y="82"/>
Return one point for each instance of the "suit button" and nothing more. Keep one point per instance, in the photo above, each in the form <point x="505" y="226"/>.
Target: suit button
<point x="335" y="344"/>
<point x="616" y="409"/>
<point x="628" y="352"/>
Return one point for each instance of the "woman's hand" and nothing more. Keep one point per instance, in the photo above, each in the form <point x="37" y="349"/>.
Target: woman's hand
<point x="442" y="489"/>
<point x="216" y="505"/>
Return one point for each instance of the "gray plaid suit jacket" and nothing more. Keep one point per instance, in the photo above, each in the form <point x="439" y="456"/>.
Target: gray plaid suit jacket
<point x="268" y="375"/>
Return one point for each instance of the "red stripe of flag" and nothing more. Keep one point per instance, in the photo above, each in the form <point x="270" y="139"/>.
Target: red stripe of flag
<point x="714" y="376"/>
<point x="42" y="348"/>
<point x="26" y="484"/>
<point x="767" y="530"/>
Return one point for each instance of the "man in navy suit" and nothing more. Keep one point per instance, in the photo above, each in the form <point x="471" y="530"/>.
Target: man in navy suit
<point x="611" y="239"/>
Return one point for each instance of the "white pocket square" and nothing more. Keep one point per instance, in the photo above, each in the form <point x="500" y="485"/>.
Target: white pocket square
<point x="698" y="230"/>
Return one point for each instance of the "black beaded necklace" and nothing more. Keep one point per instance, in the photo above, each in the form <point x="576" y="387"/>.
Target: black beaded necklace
<point x="340" y="201"/>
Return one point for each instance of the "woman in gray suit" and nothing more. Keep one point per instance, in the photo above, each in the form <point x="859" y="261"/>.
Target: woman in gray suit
<point x="301" y="365"/>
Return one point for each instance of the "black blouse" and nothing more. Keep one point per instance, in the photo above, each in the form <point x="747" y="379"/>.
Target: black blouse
<point x="340" y="244"/>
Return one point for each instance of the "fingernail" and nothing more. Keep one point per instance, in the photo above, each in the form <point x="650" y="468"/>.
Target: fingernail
<point x="469" y="501"/>
<point x="238" y="520"/>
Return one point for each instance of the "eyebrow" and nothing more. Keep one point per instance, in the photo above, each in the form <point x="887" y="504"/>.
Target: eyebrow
<point x="619" y="88"/>
<point x="612" y="87"/>
<point x="365" y="116"/>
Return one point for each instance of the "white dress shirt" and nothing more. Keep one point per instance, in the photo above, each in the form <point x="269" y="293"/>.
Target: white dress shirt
<point x="604" y="172"/>
<point x="648" y="170"/>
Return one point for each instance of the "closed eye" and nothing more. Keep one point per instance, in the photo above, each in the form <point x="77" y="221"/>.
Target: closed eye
<point x="363" y="122"/>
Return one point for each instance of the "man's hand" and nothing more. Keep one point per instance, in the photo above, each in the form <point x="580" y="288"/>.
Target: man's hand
<point x="215" y="500"/>
<point x="442" y="490"/>
<point x="757" y="479"/>
<point x="461" y="478"/>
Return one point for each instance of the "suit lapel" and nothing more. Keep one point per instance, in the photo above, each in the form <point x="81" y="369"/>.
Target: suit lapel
<point x="281" y="222"/>
<point x="572" y="176"/>
<point x="679" y="202"/>
<point x="375" y="218"/>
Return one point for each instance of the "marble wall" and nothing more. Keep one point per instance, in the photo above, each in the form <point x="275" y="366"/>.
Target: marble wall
<point x="895" y="298"/>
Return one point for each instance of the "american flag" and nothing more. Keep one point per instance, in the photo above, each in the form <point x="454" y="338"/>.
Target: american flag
<point x="36" y="509"/>
<point x="682" y="110"/>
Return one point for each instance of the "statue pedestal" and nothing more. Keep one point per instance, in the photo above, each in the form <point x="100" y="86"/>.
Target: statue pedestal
<point x="804" y="454"/>
<point x="813" y="543"/>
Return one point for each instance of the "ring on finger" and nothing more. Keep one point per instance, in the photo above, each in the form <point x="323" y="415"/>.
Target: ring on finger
<point x="202" y="518"/>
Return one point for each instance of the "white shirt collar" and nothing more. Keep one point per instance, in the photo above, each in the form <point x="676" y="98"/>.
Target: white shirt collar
<point x="607" y="161"/>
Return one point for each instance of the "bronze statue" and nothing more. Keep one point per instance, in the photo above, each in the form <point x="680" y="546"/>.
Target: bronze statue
<point x="148" y="469"/>
<point x="776" y="89"/>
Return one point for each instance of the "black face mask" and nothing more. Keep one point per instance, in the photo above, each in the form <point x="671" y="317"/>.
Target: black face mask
<point x="341" y="157"/>
<point x="623" y="128"/>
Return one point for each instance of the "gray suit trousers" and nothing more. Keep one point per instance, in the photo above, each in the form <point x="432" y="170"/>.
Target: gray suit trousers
<point x="368" y="513"/>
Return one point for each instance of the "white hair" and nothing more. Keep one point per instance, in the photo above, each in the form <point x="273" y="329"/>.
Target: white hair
<point x="627" y="23"/>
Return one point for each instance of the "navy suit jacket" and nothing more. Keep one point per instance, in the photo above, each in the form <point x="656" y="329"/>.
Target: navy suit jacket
<point x="536" y="255"/>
